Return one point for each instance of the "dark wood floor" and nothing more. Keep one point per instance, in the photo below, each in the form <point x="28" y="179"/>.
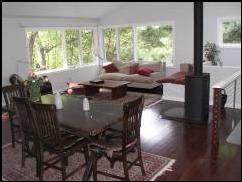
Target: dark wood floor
<point x="189" y="144"/>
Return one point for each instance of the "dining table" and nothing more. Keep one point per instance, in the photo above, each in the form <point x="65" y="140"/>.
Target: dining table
<point x="89" y="124"/>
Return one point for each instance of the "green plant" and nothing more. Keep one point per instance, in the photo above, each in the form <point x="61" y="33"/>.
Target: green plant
<point x="212" y="53"/>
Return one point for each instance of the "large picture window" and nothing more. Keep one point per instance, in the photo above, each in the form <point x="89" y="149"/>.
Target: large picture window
<point x="229" y="32"/>
<point x="139" y="42"/>
<point x="54" y="49"/>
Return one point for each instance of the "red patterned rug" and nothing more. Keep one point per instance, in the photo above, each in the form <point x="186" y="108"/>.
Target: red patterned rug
<point x="11" y="167"/>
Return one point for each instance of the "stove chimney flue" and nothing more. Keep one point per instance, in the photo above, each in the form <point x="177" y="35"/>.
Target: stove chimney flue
<point x="198" y="38"/>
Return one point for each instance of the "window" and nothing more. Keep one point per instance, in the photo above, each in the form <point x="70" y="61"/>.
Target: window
<point x="229" y="32"/>
<point x="145" y="42"/>
<point x="53" y="49"/>
<point x="154" y="43"/>
<point x="45" y="49"/>
<point x="110" y="44"/>
<point x="126" y="47"/>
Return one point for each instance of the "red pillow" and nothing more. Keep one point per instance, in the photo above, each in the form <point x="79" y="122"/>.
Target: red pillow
<point x="134" y="68"/>
<point x="75" y="88"/>
<point x="111" y="68"/>
<point x="145" y="71"/>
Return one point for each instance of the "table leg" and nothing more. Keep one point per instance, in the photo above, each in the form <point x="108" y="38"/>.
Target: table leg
<point x="89" y="167"/>
<point x="119" y="92"/>
<point x="90" y="90"/>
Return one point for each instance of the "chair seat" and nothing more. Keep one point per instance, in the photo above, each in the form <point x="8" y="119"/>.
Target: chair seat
<point x="109" y="144"/>
<point x="68" y="140"/>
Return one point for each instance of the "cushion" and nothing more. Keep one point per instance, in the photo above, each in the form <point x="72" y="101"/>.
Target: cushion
<point x="113" y="76"/>
<point x="185" y="67"/>
<point x="124" y="67"/>
<point x="156" y="66"/>
<point x="177" y="78"/>
<point x="139" y="78"/>
<point x="133" y="68"/>
<point x="111" y="68"/>
<point x="75" y="88"/>
<point x="145" y="71"/>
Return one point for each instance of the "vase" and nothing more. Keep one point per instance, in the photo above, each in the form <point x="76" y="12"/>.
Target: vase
<point x="34" y="90"/>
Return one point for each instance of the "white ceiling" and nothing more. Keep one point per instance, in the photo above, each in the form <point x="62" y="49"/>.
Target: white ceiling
<point x="58" y="9"/>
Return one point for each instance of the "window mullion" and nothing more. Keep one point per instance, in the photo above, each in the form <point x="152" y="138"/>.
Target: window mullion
<point x="135" y="43"/>
<point x="64" y="48"/>
<point x="117" y="43"/>
<point x="80" y="47"/>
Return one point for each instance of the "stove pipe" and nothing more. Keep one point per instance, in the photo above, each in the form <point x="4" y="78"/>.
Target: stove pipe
<point x="198" y="38"/>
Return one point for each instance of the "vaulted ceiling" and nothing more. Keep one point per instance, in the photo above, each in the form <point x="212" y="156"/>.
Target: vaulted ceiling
<point x="93" y="10"/>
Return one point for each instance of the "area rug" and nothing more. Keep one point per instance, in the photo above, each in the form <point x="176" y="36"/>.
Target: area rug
<point x="11" y="167"/>
<point x="150" y="99"/>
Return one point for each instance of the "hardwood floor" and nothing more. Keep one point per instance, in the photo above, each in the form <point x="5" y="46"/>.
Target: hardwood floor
<point x="189" y="144"/>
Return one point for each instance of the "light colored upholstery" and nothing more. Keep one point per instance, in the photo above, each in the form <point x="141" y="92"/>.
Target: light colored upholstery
<point x="156" y="66"/>
<point x="124" y="72"/>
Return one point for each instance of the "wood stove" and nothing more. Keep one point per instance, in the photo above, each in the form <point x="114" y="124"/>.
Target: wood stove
<point x="197" y="84"/>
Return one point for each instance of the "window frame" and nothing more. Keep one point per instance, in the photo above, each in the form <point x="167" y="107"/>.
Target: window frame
<point x="63" y="31"/>
<point x="135" y="38"/>
<point x="220" y="42"/>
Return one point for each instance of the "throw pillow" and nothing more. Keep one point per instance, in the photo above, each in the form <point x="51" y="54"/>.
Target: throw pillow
<point x="111" y="68"/>
<point x="145" y="71"/>
<point x="134" y="68"/>
<point x="156" y="66"/>
<point x="75" y="88"/>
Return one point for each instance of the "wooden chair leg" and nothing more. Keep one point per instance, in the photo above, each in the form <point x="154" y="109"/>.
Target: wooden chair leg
<point x="63" y="164"/>
<point x="94" y="167"/>
<point x="141" y="161"/>
<point x="125" y="166"/>
<point x="23" y="155"/>
<point x="12" y="133"/>
<point x="86" y="154"/>
<point x="41" y="169"/>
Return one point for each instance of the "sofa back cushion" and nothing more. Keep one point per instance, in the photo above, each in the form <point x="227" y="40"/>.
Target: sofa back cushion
<point x="186" y="67"/>
<point x="111" y="68"/>
<point x="145" y="71"/>
<point x="126" y="67"/>
<point x="154" y="65"/>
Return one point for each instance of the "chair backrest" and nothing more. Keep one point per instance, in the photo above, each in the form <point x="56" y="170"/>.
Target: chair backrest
<point x="46" y="123"/>
<point x="132" y="120"/>
<point x="10" y="91"/>
<point x="24" y="115"/>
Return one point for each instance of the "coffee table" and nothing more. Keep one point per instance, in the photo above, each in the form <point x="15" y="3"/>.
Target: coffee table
<point x="154" y="88"/>
<point x="118" y="88"/>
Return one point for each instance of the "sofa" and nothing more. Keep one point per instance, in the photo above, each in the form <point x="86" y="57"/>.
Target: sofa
<point x="134" y="71"/>
<point x="178" y="77"/>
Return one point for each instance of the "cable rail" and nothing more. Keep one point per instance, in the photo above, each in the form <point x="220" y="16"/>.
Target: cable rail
<point x="232" y="87"/>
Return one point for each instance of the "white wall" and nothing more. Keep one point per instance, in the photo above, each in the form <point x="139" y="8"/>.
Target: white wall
<point x="213" y="11"/>
<point x="182" y="14"/>
<point x="143" y="12"/>
<point x="14" y="49"/>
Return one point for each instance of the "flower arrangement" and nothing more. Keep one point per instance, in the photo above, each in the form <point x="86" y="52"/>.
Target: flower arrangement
<point x="34" y="84"/>
<point x="212" y="53"/>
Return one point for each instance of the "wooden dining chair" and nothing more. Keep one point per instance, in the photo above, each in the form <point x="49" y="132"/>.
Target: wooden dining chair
<point x="55" y="141"/>
<point x="25" y="119"/>
<point x="117" y="148"/>
<point x="8" y="92"/>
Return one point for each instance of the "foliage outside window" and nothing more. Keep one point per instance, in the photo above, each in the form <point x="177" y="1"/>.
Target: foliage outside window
<point x="155" y="43"/>
<point x="87" y="45"/>
<point x="230" y="32"/>
<point x="72" y="53"/>
<point x="48" y="50"/>
<point x="152" y="43"/>
<point x="126" y="45"/>
<point x="110" y="44"/>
